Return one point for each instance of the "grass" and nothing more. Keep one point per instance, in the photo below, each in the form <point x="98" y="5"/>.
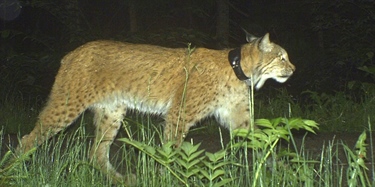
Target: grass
<point x="338" y="112"/>
<point x="248" y="159"/>
<point x="63" y="161"/>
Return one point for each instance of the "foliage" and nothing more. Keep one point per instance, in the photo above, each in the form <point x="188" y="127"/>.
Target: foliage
<point x="62" y="161"/>
<point x="357" y="167"/>
<point x="345" y="29"/>
<point x="329" y="38"/>
<point x="189" y="166"/>
<point x="335" y="112"/>
<point x="367" y="87"/>
<point x="24" y="74"/>
<point x="330" y="44"/>
<point x="264" y="141"/>
<point x="10" y="164"/>
<point x="250" y="159"/>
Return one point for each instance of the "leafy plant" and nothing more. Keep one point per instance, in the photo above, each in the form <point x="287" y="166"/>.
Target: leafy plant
<point x="213" y="168"/>
<point x="264" y="141"/>
<point x="188" y="158"/>
<point x="357" y="169"/>
<point x="187" y="164"/>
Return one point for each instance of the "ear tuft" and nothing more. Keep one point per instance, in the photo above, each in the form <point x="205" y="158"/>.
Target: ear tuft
<point x="265" y="44"/>
<point x="249" y="37"/>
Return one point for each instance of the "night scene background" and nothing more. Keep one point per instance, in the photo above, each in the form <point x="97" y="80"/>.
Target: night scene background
<point x="331" y="43"/>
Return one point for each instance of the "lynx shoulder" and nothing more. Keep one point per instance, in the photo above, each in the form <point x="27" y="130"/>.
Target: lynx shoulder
<point x="182" y="86"/>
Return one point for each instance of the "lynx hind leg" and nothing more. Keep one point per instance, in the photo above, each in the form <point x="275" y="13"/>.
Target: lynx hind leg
<point x="56" y="116"/>
<point x="108" y="121"/>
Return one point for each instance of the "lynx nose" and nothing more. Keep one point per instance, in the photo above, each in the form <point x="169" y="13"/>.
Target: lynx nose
<point x="292" y="67"/>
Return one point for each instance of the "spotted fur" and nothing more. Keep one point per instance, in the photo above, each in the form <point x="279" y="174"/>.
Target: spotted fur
<point x="111" y="77"/>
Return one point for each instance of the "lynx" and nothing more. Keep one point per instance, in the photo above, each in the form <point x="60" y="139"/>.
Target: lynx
<point x="183" y="86"/>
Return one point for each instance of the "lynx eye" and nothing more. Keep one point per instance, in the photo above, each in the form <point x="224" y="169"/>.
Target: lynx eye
<point x="282" y="59"/>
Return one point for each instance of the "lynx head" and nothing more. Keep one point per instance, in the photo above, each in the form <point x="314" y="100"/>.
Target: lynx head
<point x="261" y="60"/>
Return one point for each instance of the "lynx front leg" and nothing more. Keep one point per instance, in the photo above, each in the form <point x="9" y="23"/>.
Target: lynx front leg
<point x="176" y="131"/>
<point x="108" y="121"/>
<point x="238" y="117"/>
<point x="180" y="119"/>
<point x="176" y="125"/>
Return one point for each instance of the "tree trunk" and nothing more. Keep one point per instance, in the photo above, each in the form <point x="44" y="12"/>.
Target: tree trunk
<point x="222" y="22"/>
<point x="133" y="16"/>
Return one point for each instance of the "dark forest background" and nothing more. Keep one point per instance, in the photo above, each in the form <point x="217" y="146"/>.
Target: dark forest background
<point x="331" y="42"/>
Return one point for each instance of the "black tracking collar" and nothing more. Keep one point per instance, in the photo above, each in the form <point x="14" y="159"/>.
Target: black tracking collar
<point x="234" y="58"/>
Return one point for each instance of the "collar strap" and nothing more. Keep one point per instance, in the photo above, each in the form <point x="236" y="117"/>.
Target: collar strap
<point x="234" y="58"/>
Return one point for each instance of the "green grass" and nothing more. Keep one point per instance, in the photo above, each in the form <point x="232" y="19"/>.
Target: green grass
<point x="63" y="161"/>
<point x="338" y="112"/>
<point x="248" y="159"/>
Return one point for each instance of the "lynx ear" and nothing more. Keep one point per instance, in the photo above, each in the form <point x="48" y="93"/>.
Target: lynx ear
<point x="265" y="44"/>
